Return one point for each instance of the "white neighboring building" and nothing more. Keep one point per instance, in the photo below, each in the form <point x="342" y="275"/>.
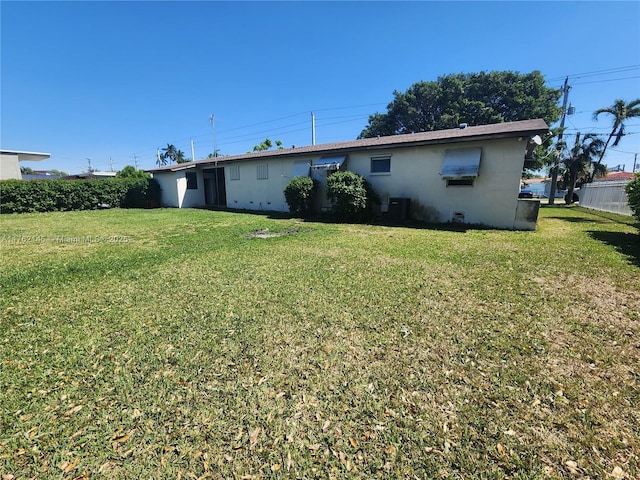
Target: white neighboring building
<point x="10" y="162"/>
<point x="469" y="174"/>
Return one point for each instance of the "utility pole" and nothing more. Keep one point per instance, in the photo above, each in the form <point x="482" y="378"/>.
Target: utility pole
<point x="554" y="170"/>
<point x="111" y="164"/>
<point x="135" y="161"/>
<point x="193" y="155"/>
<point x="313" y="129"/>
<point x="213" y="130"/>
<point x="90" y="167"/>
<point x="635" y="161"/>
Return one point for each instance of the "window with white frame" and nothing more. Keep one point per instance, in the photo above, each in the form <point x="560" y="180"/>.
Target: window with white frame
<point x="381" y="165"/>
<point x="234" y="172"/>
<point x="262" y="171"/>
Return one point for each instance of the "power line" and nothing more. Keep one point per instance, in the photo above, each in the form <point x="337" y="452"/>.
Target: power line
<point x="576" y="129"/>
<point x="266" y="121"/>
<point x="354" y="106"/>
<point x="601" y="128"/>
<point x="249" y="134"/>
<point x="148" y="155"/>
<point x="278" y="130"/>
<point x="623" y="151"/>
<point x="600" y="81"/>
<point x="596" y="72"/>
<point x="607" y="80"/>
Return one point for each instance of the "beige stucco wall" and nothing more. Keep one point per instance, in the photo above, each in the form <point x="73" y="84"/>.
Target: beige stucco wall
<point x="9" y="167"/>
<point x="190" y="198"/>
<point x="415" y="174"/>
<point x="169" y="188"/>
<point x="174" y="189"/>
<point x="252" y="194"/>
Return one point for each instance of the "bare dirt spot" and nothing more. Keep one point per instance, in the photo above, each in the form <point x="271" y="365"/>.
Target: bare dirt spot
<point x="265" y="233"/>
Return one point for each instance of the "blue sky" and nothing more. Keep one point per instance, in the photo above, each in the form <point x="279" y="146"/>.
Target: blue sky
<point x="114" y="81"/>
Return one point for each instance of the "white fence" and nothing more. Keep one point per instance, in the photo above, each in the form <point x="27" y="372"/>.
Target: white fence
<point x="608" y="196"/>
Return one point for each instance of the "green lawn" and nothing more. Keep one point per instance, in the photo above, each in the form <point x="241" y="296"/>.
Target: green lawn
<point x="179" y="344"/>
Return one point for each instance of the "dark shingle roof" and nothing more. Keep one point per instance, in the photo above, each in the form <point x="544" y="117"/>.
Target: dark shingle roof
<point x="496" y="130"/>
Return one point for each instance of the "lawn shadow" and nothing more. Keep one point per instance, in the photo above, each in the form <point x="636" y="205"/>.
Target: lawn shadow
<point x="413" y="224"/>
<point x="378" y="221"/>
<point x="628" y="244"/>
<point x="273" y="214"/>
<point x="594" y="216"/>
<point x="577" y="219"/>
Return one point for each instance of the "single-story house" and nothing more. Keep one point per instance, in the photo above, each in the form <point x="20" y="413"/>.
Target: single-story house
<point x="40" y="175"/>
<point x="95" y="175"/>
<point x="470" y="174"/>
<point x="616" y="177"/>
<point x="10" y="162"/>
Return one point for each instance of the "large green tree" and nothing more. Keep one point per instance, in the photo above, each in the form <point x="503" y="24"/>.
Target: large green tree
<point x="579" y="163"/>
<point x="621" y="112"/>
<point x="472" y="98"/>
<point x="130" y="171"/>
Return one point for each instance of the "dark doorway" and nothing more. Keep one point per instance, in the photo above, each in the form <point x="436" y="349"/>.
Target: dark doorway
<point x="215" y="193"/>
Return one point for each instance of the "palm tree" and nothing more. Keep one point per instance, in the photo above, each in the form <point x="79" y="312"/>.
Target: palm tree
<point x="267" y="144"/>
<point x="179" y="157"/>
<point x="580" y="162"/>
<point x="621" y="112"/>
<point x="172" y="154"/>
<point x="161" y="161"/>
<point x="169" y="153"/>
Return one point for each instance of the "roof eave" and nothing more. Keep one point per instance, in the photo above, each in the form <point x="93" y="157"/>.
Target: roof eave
<point x="24" y="156"/>
<point x="534" y="127"/>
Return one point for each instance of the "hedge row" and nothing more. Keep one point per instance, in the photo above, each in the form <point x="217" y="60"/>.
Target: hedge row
<point x="633" y="194"/>
<point x="22" y="196"/>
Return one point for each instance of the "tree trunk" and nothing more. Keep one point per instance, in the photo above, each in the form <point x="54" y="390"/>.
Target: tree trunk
<point x="571" y="186"/>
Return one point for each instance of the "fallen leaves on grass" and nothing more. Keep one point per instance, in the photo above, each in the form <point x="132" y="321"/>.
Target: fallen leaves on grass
<point x="121" y="438"/>
<point x="253" y="437"/>
<point x="618" y="473"/>
<point x="73" y="410"/>
<point x="572" y="466"/>
<point x="390" y="450"/>
<point x="66" y="467"/>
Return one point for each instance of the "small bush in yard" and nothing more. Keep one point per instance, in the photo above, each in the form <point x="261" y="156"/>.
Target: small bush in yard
<point x="351" y="195"/>
<point x="633" y="194"/>
<point x="299" y="195"/>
